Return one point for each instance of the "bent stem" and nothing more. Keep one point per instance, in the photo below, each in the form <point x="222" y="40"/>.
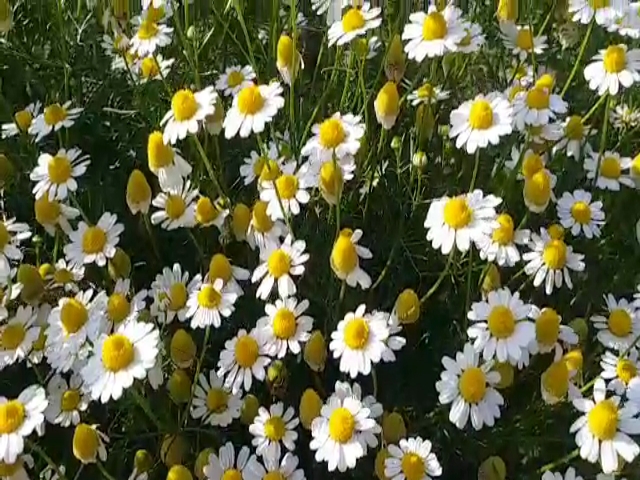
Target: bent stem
<point x="104" y="472"/>
<point x="144" y="404"/>
<point x="561" y="461"/>
<point x="576" y="65"/>
<point x="46" y="458"/>
<point x="443" y="274"/>
<point x="205" y="344"/>
<point x="208" y="166"/>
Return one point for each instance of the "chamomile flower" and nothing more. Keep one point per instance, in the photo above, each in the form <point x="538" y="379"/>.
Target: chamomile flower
<point x="225" y="465"/>
<point x="460" y="220"/>
<point x="274" y="467"/>
<point x="610" y="170"/>
<point x="220" y="267"/>
<point x="17" y="336"/>
<point x="210" y="213"/>
<point x="338" y="136"/>
<point x="157" y="13"/>
<point x="53" y="118"/>
<point x="434" y="33"/>
<point x="209" y="303"/>
<point x="95" y="243"/>
<point x="521" y="40"/>
<point x="501" y="245"/>
<point x="122" y="306"/>
<point x="89" y="444"/>
<point x="605" y="13"/>
<point x="550" y="260"/>
<point x="67" y="275"/>
<point x="66" y="400"/>
<point x="427" y="94"/>
<point x="234" y="79"/>
<point x="12" y="233"/>
<point x="537" y="106"/>
<point x="55" y="175"/>
<point x="469" y="386"/>
<point x="149" y="37"/>
<point x="165" y="161"/>
<point x="170" y="291"/>
<point x="481" y="121"/>
<point x="243" y="358"/>
<point x="574" y="137"/>
<point x="22" y="120"/>
<point x="188" y="112"/>
<point x="473" y="39"/>
<point x="502" y="328"/>
<point x="177" y="207"/>
<point x="557" y="382"/>
<point x="551" y="334"/>
<point x="153" y="67"/>
<point x="119" y="359"/>
<point x="345" y="258"/>
<point x="252" y="108"/>
<point x="285" y="194"/>
<point x="619" y="370"/>
<point x="51" y="213"/>
<point x="602" y="433"/>
<point x="359" y="341"/>
<point x="279" y="263"/>
<point x="629" y="24"/>
<point x="612" y="68"/>
<point x="115" y="43"/>
<point x="538" y="190"/>
<point x="262" y="229"/>
<point x="355" y="22"/>
<point x="620" y="328"/>
<point x="578" y="213"/>
<point x="624" y="116"/>
<point x="273" y="427"/>
<point x="265" y="168"/>
<point x="19" y="417"/>
<point x="285" y="327"/>
<point x="412" y="459"/>
<point x="214" y="403"/>
<point x="330" y="176"/>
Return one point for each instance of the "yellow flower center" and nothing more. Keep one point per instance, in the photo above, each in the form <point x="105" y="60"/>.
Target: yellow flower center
<point x="537" y="188"/>
<point x="472" y="385"/>
<point x="626" y="370"/>
<point x="261" y="221"/>
<point x="159" y="154"/>
<point x="610" y="168"/>
<point x="184" y="105"/>
<point x="287" y="186"/>
<point x="246" y="351"/>
<point x="59" y="169"/>
<point x="219" y="267"/>
<point x="412" y="466"/>
<point x="177" y="296"/>
<point x="5" y="237"/>
<point x="331" y="178"/>
<point x="620" y="322"/>
<point x="481" y="115"/>
<point x="209" y="297"/>
<point x="538" y="98"/>
<point x="353" y="20"/>
<point x="117" y="352"/>
<point x="554" y="254"/>
<point x="614" y="59"/>
<point x="331" y="133"/>
<point x="597" y="4"/>
<point x="547" y="327"/>
<point x="232" y="474"/>
<point x="12" y="336"/>
<point x="40" y="342"/>
<point x="259" y="165"/>
<point x="546" y="81"/>
<point x="8" y="470"/>
<point x="270" y="171"/>
<point x="501" y="322"/>
<point x="342" y="424"/>
<point x="54" y="114"/>
<point x="138" y="189"/>
<point x="344" y="257"/>
<point x="85" y="442"/>
<point x="147" y="30"/>
<point x="635" y="166"/>
<point x="574" y="129"/>
<point x="150" y="68"/>
<point x="524" y="39"/>
<point x="174" y="206"/>
<point x="206" y="211"/>
<point x="23" y="120"/>
<point x="279" y="263"/>
<point x="555" y="379"/>
<point x="217" y="400"/>
<point x="274" y="429"/>
<point x="426" y="91"/>
<point x="603" y="420"/>
<point x="70" y="400"/>
<point x="235" y="78"/>
<point x="388" y="100"/>
<point x="434" y="27"/>
<point x="457" y="213"/>
<point x="275" y="475"/>
<point x="581" y="212"/>
<point x="573" y="359"/>
<point x="556" y="231"/>
<point x="515" y="90"/>
<point x="285" y="51"/>
<point x="408" y="306"/>
<point x="503" y="235"/>
<point x="12" y="414"/>
<point x="118" y="307"/>
<point x="73" y="316"/>
<point x="284" y="324"/>
<point x="250" y="100"/>
<point x="93" y="240"/>
<point x="155" y="14"/>
<point x="356" y="333"/>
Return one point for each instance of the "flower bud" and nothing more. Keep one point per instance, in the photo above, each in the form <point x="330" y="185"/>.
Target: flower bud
<point x="556" y="231"/>
<point x="277" y="378"/>
<point x="173" y="450"/>
<point x="310" y="406"/>
<point x="491" y="280"/>
<point x="202" y="460"/>
<point x="315" y="351"/>
<point x="493" y="468"/>
<point x="381" y="456"/>
<point x="86" y="443"/>
<point x="119" y="265"/>
<point x="182" y="349"/>
<point x="394" y="62"/>
<point x="393" y="427"/>
<point x="507" y="10"/>
<point x="143" y="461"/>
<point x="138" y="193"/>
<point x="396" y="143"/>
<point x="249" y="410"/>
<point x="240" y="220"/>
<point x="419" y="159"/>
<point x="574" y="360"/>
<point x="387" y="105"/>
<point x="32" y="284"/>
<point x="507" y="373"/>
<point x="179" y="386"/>
<point x="6" y="167"/>
<point x="407" y="307"/>
<point x="191" y="32"/>
<point x="46" y="270"/>
<point x="179" y="472"/>
<point x="581" y="327"/>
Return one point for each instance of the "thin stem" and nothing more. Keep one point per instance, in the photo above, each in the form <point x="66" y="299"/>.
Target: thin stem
<point x="243" y="26"/>
<point x="375" y="382"/>
<point x="147" y="227"/>
<point x="46" y="458"/>
<point x="208" y="166"/>
<point x="561" y="461"/>
<point x="603" y="138"/>
<point x="203" y="350"/>
<point x="475" y="171"/>
<point x="594" y="108"/>
<point x="104" y="472"/>
<point x="443" y="274"/>
<point x="576" y="65"/>
<point x="144" y="404"/>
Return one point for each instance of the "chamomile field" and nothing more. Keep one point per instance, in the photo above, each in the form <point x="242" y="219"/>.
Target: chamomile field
<point x="328" y="239"/>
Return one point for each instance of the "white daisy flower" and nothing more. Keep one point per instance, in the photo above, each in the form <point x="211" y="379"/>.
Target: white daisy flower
<point x="220" y="267"/>
<point x="338" y="136"/>
<point x="330" y="176"/>
<point x="262" y="229"/>
<point x="177" y="206"/>
<point x="322" y="6"/>
<point x="428" y="94"/>
<point x="550" y="334"/>
<point x="629" y="24"/>
<point x="611" y="476"/>
<point x="285" y="469"/>
<point x="469" y="387"/>
<point x="234" y="79"/>
<point x="243" y="358"/>
<point x="434" y="33"/>
<point x="344" y="390"/>
<point x="502" y="329"/>
<point x="613" y="67"/>
<point x="606" y="13"/>
<point x="619" y="370"/>
<point x="149" y="37"/>
<point x="355" y="22"/>
<point x="55" y="176"/>
<point x="51" y="213"/>
<point x="22" y="121"/>
<point x="570" y="474"/>
<point x="96" y="243"/>
<point x="550" y="260"/>
<point x="342" y="433"/>
<point x="89" y="444"/>
<point x="170" y="291"/>
<point x="501" y="245"/>
<point x="521" y="40"/>
<point x="188" y="113"/>
<point x="620" y="328"/>
<point x="285" y="327"/>
<point x="37" y="350"/>
<point x="412" y="459"/>
<point x="537" y="106"/>
<point x="17" y="336"/>
<point x="602" y="433"/>
<point x="19" y="417"/>
<point x="214" y="403"/>
<point x="285" y="194"/>
<point x="67" y="276"/>
<point x="460" y="220"/>
<point x="265" y="168"/>
<point x="66" y="400"/>
<point x="574" y="137"/>
<point x="209" y="303"/>
<point x="9" y="291"/>
<point x="624" y="116"/>
<point x="345" y="258"/>
<point x="153" y="67"/>
<point x="610" y="171"/>
<point x="122" y="306"/>
<point x="538" y="190"/>
<point x="53" y="118"/>
<point x="272" y="427"/>
<point x="394" y="342"/>
<point x="119" y="359"/>
<point x="16" y="470"/>
<point x="481" y="121"/>
<point x="225" y="466"/>
<point x="579" y="214"/>
<point x="253" y="107"/>
<point x="166" y="161"/>
<point x="12" y="233"/>
<point x="473" y="39"/>
<point x="279" y="262"/>
<point x="162" y="12"/>
<point x="557" y="382"/>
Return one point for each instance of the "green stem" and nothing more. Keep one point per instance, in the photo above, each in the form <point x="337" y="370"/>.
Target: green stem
<point x="603" y="138"/>
<point x="147" y="227"/>
<point x="594" y="108"/>
<point x="205" y="344"/>
<point x="578" y="60"/>
<point x="443" y="274"/>
<point x="104" y="472"/>
<point x="475" y="171"/>
<point x="46" y="458"/>
<point x="243" y="26"/>
<point x="561" y="461"/>
<point x="208" y="166"/>
<point x="144" y="404"/>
